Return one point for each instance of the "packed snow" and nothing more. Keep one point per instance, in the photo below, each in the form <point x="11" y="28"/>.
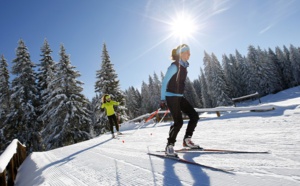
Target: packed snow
<point x="124" y="161"/>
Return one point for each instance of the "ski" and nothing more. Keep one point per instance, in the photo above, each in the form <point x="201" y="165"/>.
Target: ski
<point x="183" y="150"/>
<point x="190" y="162"/>
<point x="221" y="151"/>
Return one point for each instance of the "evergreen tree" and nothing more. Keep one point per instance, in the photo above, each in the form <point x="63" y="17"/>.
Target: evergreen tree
<point x="295" y="62"/>
<point x="22" y="120"/>
<point x="208" y="74"/>
<point x="262" y="79"/>
<point x="97" y="117"/>
<point x="66" y="108"/>
<point x="206" y="99"/>
<point x="229" y="66"/>
<point x="4" y="99"/>
<point x="271" y="80"/>
<point x="133" y="102"/>
<point x="242" y="72"/>
<point x="154" y="87"/>
<point x="46" y="70"/>
<point x="255" y="71"/>
<point x="217" y="84"/>
<point x="285" y="67"/>
<point x="146" y="96"/>
<point x="190" y="93"/>
<point x="107" y="83"/>
<point x="4" y="90"/>
<point x="197" y="86"/>
<point x="45" y="75"/>
<point x="277" y="69"/>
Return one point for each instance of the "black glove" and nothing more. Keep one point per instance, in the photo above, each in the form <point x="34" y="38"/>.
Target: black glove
<point x="163" y="105"/>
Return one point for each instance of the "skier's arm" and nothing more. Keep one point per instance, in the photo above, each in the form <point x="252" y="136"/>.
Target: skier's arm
<point x="102" y="106"/>
<point x="170" y="72"/>
<point x="115" y="103"/>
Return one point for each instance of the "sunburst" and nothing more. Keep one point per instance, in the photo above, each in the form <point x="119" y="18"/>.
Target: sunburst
<point x="183" y="26"/>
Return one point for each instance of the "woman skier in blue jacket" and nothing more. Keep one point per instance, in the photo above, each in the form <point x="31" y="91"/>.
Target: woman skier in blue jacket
<point x="172" y="96"/>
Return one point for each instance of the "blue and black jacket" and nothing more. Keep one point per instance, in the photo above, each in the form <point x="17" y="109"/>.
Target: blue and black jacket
<point x="174" y="81"/>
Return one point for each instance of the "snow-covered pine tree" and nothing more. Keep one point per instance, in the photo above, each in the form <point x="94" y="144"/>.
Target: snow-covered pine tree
<point x="97" y="122"/>
<point x="133" y="102"/>
<point x="197" y="86"/>
<point x="4" y="90"/>
<point x="220" y="88"/>
<point x="155" y="89"/>
<point x="243" y="71"/>
<point x="4" y="99"/>
<point x="146" y="96"/>
<point x="208" y="74"/>
<point x="22" y="120"/>
<point x="233" y="75"/>
<point x="206" y="99"/>
<point x="285" y="67"/>
<point x="190" y="93"/>
<point x="107" y="83"/>
<point x="229" y="74"/>
<point x="254" y="71"/>
<point x="277" y="69"/>
<point x="271" y="77"/>
<point x="45" y="75"/>
<point x="66" y="108"/>
<point x="295" y="62"/>
<point x="217" y="84"/>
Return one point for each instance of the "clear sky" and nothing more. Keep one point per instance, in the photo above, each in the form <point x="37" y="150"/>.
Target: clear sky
<point x="140" y="34"/>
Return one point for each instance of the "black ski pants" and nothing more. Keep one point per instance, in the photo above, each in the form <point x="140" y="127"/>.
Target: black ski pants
<point x="177" y="105"/>
<point x="113" y="121"/>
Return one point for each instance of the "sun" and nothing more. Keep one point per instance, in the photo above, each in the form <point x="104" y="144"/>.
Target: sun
<point x="183" y="26"/>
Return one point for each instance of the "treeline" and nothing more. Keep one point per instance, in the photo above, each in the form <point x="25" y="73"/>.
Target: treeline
<point x="262" y="71"/>
<point x="43" y="106"/>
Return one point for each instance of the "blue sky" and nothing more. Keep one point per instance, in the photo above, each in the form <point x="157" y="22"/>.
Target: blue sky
<point x="138" y="34"/>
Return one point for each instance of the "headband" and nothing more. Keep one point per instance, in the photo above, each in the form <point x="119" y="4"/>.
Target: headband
<point x="182" y="48"/>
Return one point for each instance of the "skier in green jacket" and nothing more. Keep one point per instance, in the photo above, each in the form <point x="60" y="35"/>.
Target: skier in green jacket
<point x="109" y="104"/>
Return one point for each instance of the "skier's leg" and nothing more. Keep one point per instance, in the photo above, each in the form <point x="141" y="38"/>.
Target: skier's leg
<point x="174" y="107"/>
<point x="116" y="122"/>
<point x="111" y="124"/>
<point x="188" y="109"/>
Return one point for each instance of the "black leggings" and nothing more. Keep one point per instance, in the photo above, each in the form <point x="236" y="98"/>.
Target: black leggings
<point x="113" y="120"/>
<point x="176" y="105"/>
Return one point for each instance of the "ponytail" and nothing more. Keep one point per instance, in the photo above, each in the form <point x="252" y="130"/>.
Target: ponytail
<point x="174" y="55"/>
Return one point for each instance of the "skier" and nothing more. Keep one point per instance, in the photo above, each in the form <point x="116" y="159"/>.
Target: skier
<point x="108" y="104"/>
<point x="172" y="97"/>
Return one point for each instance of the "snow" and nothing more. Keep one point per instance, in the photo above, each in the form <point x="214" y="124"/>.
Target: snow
<point x="5" y="157"/>
<point x="124" y="161"/>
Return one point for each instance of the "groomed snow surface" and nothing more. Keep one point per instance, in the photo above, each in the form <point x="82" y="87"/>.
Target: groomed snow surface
<point x="124" y="161"/>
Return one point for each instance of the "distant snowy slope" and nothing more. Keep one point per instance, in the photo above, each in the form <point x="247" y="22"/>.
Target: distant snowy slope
<point x="124" y="161"/>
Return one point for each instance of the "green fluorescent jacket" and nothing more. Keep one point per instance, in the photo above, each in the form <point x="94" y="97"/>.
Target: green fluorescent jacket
<point x="109" y="106"/>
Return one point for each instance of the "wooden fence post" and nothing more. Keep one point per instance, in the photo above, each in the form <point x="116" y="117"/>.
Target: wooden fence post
<point x="3" y="178"/>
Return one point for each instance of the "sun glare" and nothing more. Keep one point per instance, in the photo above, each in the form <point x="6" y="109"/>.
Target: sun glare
<point x="183" y="26"/>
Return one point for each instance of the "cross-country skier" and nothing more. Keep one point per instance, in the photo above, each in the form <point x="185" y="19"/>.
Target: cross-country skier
<point x="108" y="104"/>
<point x="172" y="97"/>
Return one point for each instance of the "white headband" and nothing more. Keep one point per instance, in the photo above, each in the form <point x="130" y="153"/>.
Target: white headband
<point x="182" y="48"/>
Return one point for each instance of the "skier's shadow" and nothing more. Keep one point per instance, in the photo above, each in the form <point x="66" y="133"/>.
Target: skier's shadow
<point x="171" y="178"/>
<point x="199" y="176"/>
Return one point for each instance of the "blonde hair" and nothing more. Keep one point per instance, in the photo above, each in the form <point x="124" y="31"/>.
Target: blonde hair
<point x="174" y="55"/>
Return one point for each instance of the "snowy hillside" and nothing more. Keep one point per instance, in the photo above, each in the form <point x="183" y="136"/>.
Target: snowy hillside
<point x="124" y="161"/>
